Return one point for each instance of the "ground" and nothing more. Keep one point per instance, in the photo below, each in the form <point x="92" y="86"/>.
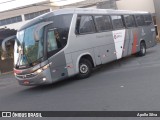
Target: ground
<point x="129" y="84"/>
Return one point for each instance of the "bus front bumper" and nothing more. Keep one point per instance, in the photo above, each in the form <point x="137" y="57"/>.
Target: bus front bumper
<point x="42" y="78"/>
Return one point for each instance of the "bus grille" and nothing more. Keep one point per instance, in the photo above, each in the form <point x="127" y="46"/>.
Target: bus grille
<point x="26" y="76"/>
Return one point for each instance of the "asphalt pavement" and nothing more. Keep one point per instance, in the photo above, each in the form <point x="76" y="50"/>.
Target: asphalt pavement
<point x="129" y="84"/>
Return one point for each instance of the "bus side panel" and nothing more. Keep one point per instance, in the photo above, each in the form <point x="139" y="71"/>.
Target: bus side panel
<point x="149" y="35"/>
<point x="119" y="40"/>
<point x="78" y="55"/>
<point x="69" y="64"/>
<point x="134" y="41"/>
<point x="108" y="53"/>
<point x="138" y="34"/>
<point x="58" y="66"/>
<point x="128" y="38"/>
<point x="97" y="53"/>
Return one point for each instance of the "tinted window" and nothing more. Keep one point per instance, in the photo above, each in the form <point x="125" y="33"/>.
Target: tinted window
<point x="52" y="43"/>
<point x="117" y="22"/>
<point x="14" y="20"/>
<point x="8" y="21"/>
<point x="57" y="34"/>
<point x="129" y="21"/>
<point x="3" y="22"/>
<point x="140" y="20"/>
<point x="103" y="23"/>
<point x="61" y="27"/>
<point x="148" y="19"/>
<point x="19" y="18"/>
<point x="85" y="24"/>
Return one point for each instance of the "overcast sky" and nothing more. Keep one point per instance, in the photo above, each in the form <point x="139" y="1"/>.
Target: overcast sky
<point x="18" y="3"/>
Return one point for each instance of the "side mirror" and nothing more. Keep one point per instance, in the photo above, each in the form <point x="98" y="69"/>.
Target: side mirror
<point x="6" y="40"/>
<point x="38" y="28"/>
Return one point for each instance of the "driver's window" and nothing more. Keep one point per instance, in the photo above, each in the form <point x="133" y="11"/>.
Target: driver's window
<point x="52" y="44"/>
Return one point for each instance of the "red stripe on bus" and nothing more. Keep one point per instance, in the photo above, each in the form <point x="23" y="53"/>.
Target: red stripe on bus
<point x="135" y="41"/>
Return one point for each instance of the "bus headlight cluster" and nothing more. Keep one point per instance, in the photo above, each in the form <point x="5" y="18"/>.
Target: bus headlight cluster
<point x="41" y="69"/>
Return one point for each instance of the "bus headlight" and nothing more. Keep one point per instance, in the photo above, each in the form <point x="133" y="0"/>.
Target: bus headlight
<point x="45" y="67"/>
<point x="41" y="69"/>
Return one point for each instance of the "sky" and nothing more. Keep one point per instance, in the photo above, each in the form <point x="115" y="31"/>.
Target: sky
<point x="11" y="4"/>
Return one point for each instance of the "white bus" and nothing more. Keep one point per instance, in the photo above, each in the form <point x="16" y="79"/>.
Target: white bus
<point x="70" y="42"/>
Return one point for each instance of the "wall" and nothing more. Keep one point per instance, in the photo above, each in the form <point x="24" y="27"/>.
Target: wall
<point x="157" y="10"/>
<point x="138" y="5"/>
<point x="17" y="12"/>
<point x="110" y="4"/>
<point x="14" y="4"/>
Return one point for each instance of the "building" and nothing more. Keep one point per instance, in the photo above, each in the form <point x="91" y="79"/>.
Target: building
<point x="101" y="4"/>
<point x="143" y="5"/>
<point x="152" y="6"/>
<point x="157" y="14"/>
<point x="16" y="17"/>
<point x="13" y="18"/>
<point x="10" y="21"/>
<point x="137" y="5"/>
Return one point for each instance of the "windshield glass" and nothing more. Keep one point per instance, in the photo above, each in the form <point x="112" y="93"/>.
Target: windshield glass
<point x="31" y="41"/>
<point x="30" y="50"/>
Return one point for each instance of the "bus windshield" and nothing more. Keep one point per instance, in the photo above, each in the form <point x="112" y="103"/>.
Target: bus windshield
<point x="29" y="50"/>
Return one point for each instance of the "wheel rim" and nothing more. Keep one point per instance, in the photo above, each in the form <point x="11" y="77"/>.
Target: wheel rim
<point x="84" y="68"/>
<point x="143" y="49"/>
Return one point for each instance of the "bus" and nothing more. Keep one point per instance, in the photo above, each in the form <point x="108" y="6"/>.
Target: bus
<point x="70" y="42"/>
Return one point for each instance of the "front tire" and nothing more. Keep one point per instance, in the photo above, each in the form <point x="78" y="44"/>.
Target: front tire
<point x="85" y="69"/>
<point x="142" y="51"/>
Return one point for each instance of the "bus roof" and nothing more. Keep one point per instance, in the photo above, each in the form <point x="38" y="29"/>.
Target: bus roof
<point x="96" y="11"/>
<point x="79" y="11"/>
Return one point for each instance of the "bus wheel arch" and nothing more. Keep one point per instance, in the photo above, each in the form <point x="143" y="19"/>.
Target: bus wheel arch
<point x="85" y="66"/>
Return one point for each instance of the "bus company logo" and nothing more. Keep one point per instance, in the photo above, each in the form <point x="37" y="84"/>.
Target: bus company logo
<point x="116" y="36"/>
<point x="6" y="114"/>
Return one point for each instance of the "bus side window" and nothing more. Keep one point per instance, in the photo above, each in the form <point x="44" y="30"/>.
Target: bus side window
<point x="51" y="41"/>
<point x="140" y="20"/>
<point x="148" y="19"/>
<point x="129" y="21"/>
<point x="86" y="25"/>
<point x="103" y="23"/>
<point x="117" y="21"/>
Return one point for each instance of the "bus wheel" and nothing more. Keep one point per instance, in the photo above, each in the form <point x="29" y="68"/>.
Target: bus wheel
<point x="85" y="68"/>
<point x="142" y="51"/>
